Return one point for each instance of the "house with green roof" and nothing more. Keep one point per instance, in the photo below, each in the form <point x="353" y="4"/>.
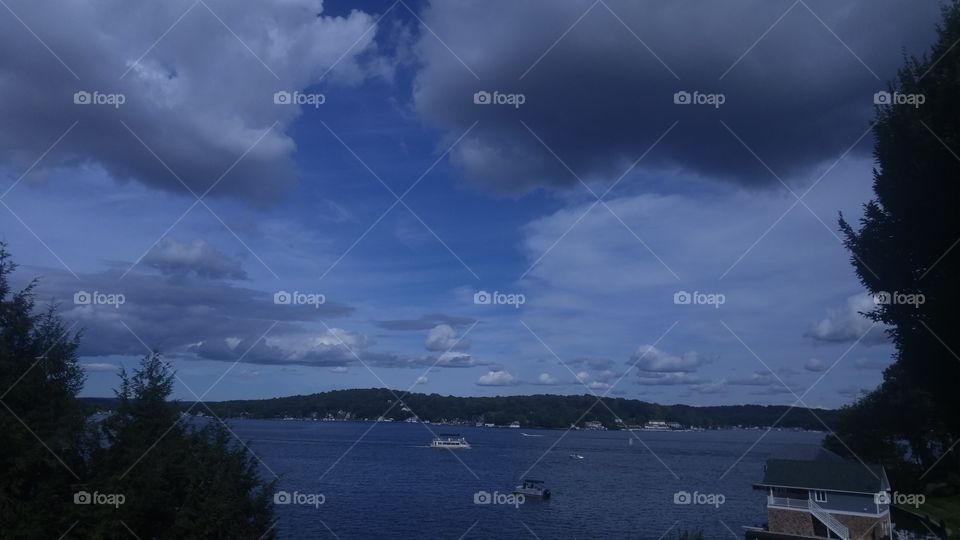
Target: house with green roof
<point x="824" y="498"/>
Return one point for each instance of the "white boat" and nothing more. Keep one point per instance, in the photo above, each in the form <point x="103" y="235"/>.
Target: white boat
<point x="576" y="456"/>
<point x="448" y="440"/>
<point x="532" y="489"/>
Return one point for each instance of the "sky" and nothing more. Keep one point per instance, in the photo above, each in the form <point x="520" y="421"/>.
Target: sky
<point x="633" y="199"/>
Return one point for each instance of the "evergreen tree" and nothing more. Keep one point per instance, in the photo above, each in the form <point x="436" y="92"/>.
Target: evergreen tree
<point x="907" y="245"/>
<point x="41" y="422"/>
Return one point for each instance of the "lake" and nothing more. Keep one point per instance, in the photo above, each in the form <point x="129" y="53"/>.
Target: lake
<point x="390" y="484"/>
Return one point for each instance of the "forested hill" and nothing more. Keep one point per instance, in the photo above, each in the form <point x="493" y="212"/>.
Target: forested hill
<point x="544" y="410"/>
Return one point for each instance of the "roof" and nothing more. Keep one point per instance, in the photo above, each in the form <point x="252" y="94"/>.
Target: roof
<point x="825" y="475"/>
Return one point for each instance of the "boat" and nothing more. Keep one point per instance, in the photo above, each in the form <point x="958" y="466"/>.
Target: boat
<point x="532" y="489"/>
<point x="449" y="440"/>
<point x="531" y="434"/>
<point x="576" y="456"/>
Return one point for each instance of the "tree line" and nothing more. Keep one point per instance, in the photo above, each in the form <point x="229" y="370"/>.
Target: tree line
<point x="140" y="471"/>
<point x="544" y="410"/>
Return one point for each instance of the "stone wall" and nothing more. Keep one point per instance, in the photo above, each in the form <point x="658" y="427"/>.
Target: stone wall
<point x="867" y="528"/>
<point x="789" y="521"/>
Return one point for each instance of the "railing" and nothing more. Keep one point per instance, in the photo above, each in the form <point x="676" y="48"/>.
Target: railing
<point x="785" y="502"/>
<point x="809" y="505"/>
<point x="828" y="520"/>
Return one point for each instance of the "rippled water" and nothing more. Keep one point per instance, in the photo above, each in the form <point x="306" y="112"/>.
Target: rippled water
<point x="390" y="484"/>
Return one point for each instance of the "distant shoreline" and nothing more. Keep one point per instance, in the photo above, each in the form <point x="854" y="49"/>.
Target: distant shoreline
<point x="538" y="411"/>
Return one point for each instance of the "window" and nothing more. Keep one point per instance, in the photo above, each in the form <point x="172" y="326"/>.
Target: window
<point x="819" y="496"/>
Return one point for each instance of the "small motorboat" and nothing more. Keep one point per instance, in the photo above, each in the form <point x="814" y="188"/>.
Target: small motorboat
<point x="532" y="489"/>
<point x="576" y="456"/>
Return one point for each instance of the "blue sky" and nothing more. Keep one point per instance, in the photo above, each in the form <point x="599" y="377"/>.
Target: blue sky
<point x="702" y="198"/>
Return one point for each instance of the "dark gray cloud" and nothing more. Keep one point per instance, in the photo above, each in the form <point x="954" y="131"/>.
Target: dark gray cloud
<point x="201" y="97"/>
<point x="172" y="313"/>
<point x="425" y="322"/>
<point x="599" y="98"/>
<point x="198" y="257"/>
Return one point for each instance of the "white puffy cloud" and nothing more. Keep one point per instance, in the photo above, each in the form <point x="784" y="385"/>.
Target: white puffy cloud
<point x="497" y="378"/>
<point x="815" y="365"/>
<point x="547" y="380"/>
<point x="422" y="380"/>
<point x="444" y="338"/>
<point x="846" y="324"/>
<point x="649" y="358"/>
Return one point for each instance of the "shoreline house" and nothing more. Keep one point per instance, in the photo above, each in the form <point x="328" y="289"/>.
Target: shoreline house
<point x="824" y="498"/>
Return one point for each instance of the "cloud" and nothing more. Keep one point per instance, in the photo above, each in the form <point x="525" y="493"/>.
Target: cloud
<point x="649" y="358"/>
<point x="198" y="257"/>
<point x="100" y="366"/>
<point x="599" y="117"/>
<point x="816" y="365"/>
<point x="713" y="387"/>
<point x="669" y="379"/>
<point x="339" y="370"/>
<point x="444" y="338"/>
<point x="201" y="97"/>
<point x="183" y="314"/>
<point x="452" y="359"/>
<point x="847" y="325"/>
<point x="497" y="378"/>
<point x="422" y="380"/>
<point x="546" y="379"/>
<point x="425" y="322"/>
